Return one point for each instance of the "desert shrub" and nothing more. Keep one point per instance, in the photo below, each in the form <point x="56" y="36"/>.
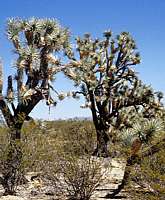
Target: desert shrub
<point x="63" y="155"/>
<point x="75" y="178"/>
<point x="6" y="148"/>
<point x="42" y="139"/>
<point x="71" y="135"/>
<point x="79" y="138"/>
<point x="37" y="146"/>
<point x="147" y="180"/>
<point x="61" y="151"/>
<point x="3" y="144"/>
<point x="150" y="177"/>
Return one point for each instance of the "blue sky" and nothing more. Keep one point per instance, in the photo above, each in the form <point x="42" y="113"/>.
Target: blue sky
<point x="144" y="19"/>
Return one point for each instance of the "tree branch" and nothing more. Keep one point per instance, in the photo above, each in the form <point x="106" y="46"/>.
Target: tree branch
<point x="27" y="108"/>
<point x="6" y="112"/>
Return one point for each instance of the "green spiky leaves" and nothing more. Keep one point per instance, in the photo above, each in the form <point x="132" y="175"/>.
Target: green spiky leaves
<point x="148" y="129"/>
<point x="38" y="32"/>
<point x="37" y="43"/>
<point x="104" y="61"/>
<point x="144" y="130"/>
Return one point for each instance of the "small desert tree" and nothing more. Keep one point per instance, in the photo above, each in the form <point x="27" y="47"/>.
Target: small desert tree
<point x="143" y="133"/>
<point x="36" y="41"/>
<point x="113" y="92"/>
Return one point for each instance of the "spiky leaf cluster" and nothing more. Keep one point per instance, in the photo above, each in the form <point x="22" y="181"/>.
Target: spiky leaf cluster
<point x="104" y="71"/>
<point x="104" y="64"/>
<point x="37" y="43"/>
<point x="144" y="129"/>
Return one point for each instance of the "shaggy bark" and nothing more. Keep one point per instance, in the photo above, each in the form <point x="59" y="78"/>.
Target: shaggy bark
<point x="12" y="168"/>
<point x="102" y="144"/>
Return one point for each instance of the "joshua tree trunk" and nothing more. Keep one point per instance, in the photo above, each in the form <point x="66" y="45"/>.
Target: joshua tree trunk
<point x="102" y="144"/>
<point x="101" y="131"/>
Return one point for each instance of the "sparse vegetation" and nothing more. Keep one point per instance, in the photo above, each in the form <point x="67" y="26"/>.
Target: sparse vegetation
<point x="128" y="117"/>
<point x="56" y="153"/>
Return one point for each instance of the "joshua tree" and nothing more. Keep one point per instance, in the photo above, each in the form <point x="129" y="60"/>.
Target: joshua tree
<point x="103" y="71"/>
<point x="140" y="133"/>
<point x="36" y="41"/>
